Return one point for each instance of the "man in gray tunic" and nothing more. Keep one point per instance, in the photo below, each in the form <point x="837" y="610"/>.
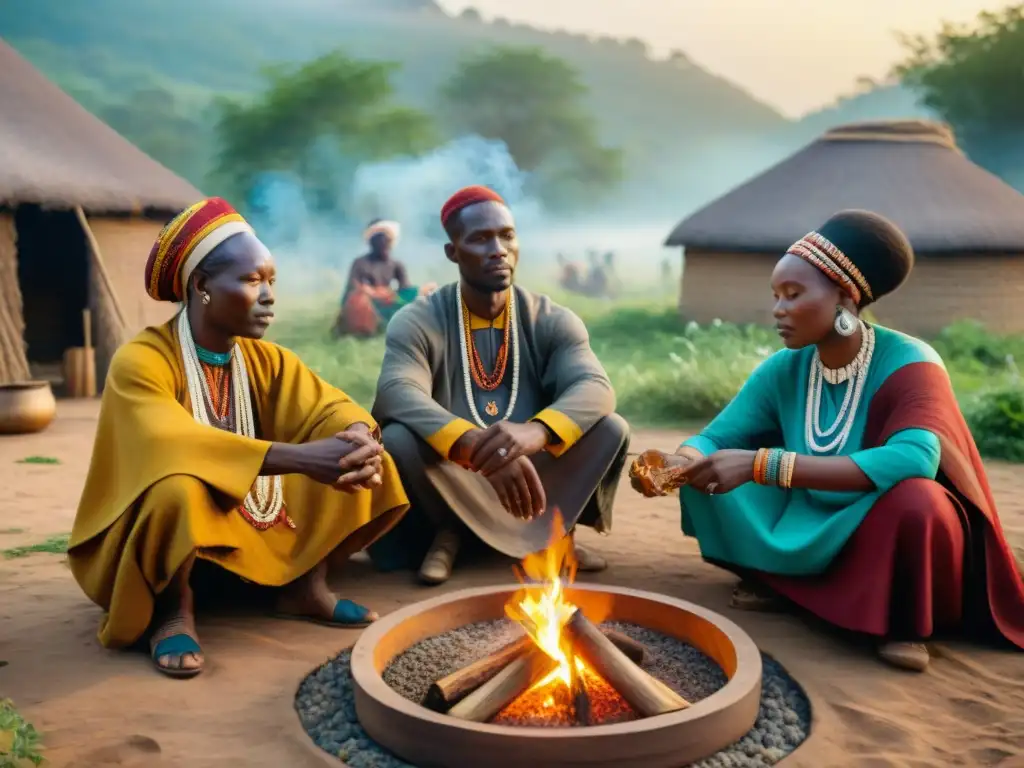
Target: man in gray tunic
<point x="493" y="405"/>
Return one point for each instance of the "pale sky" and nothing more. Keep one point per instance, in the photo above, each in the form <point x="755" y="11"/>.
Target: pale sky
<point x="797" y="55"/>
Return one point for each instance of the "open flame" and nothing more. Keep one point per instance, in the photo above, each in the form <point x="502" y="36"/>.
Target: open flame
<point x="541" y="606"/>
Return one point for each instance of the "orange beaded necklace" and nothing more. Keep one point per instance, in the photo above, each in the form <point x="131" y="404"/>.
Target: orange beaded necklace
<point x="488" y="381"/>
<point x="218" y="379"/>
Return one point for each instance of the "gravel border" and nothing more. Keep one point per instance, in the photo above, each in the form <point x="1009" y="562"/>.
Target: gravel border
<point x="325" y="703"/>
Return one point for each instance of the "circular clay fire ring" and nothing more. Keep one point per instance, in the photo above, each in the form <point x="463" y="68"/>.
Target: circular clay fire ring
<point x="430" y="739"/>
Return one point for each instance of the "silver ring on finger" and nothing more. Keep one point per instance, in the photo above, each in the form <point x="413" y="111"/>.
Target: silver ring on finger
<point x="711" y="489"/>
<point x="503" y="452"/>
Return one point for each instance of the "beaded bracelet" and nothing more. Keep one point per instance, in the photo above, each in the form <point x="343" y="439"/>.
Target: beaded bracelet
<point x="774" y="466"/>
<point x="788" y="463"/>
<point x="759" y="465"/>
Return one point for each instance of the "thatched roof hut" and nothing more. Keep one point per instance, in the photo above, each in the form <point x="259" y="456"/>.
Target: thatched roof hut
<point x="80" y="207"/>
<point x="966" y="226"/>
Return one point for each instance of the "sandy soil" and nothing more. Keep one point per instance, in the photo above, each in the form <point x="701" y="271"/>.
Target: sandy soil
<point x="98" y="708"/>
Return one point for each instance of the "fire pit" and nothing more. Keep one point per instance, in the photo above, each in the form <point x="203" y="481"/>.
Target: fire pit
<point x="559" y="665"/>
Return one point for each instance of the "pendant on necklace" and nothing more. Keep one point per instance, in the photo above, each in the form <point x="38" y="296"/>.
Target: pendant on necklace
<point x="491" y="409"/>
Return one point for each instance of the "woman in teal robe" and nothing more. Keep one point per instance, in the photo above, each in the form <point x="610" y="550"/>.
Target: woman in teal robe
<point x="842" y="476"/>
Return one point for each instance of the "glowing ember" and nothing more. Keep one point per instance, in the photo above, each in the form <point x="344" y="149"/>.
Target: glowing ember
<point x="541" y="607"/>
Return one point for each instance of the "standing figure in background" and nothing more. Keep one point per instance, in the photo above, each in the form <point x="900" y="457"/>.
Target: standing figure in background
<point x="597" y="278"/>
<point x="377" y="287"/>
<point x="570" y="276"/>
<point x="494" y="407"/>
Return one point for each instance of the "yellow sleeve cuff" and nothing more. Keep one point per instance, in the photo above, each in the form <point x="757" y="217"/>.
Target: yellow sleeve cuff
<point x="448" y="435"/>
<point x="568" y="431"/>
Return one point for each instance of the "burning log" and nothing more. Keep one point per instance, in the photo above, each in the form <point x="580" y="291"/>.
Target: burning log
<point x="645" y="694"/>
<point x="450" y="690"/>
<point x="502" y="689"/>
<point x="580" y="698"/>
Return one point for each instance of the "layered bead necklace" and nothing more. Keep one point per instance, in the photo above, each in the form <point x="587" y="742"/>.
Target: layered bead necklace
<point x="855" y="375"/>
<point x="473" y="371"/>
<point x="264" y="504"/>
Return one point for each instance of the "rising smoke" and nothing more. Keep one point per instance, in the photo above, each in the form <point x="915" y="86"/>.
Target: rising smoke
<point x="315" y="249"/>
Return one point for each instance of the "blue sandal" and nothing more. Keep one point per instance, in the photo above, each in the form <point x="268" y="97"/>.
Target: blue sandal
<point x="346" y="615"/>
<point x="177" y="645"/>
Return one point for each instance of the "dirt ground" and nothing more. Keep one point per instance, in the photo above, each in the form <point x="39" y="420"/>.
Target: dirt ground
<point x="97" y="708"/>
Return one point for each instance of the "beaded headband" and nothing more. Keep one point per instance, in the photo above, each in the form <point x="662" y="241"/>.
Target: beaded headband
<point x="818" y="250"/>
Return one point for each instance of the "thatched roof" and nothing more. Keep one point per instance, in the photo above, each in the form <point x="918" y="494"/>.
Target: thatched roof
<point x="55" y="153"/>
<point x="909" y="171"/>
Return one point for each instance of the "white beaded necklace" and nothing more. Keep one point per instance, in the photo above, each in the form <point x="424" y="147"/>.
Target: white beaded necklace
<point x="265" y="500"/>
<point x="464" y="348"/>
<point x="855" y="374"/>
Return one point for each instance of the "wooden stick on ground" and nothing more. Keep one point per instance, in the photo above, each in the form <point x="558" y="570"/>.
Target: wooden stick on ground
<point x="645" y="694"/>
<point x="505" y="687"/>
<point x="450" y="690"/>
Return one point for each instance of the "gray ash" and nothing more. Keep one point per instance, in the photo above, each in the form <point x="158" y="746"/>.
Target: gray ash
<point x="326" y="704"/>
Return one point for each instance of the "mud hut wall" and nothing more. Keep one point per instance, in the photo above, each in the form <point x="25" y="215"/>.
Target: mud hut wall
<point x="13" y="355"/>
<point x="124" y="246"/>
<point x="942" y="289"/>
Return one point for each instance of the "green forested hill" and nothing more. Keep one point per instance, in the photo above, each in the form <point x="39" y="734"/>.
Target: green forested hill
<point x="107" y="52"/>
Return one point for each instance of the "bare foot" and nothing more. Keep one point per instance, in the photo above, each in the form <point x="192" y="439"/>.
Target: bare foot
<point x="309" y="597"/>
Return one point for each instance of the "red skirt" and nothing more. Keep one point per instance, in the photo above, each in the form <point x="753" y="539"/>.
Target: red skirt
<point x="903" y="574"/>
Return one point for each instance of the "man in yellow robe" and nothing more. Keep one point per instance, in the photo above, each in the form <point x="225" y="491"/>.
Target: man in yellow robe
<point x="214" y="445"/>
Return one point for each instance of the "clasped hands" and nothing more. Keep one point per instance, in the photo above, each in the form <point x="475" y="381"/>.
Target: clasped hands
<point x="501" y="454"/>
<point x="721" y="472"/>
<point x="350" y="461"/>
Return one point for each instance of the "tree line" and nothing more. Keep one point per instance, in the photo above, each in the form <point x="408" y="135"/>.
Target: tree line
<point x="973" y="76"/>
<point x="317" y="121"/>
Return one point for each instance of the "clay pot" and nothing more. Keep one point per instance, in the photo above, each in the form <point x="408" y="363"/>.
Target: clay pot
<point x="26" y="407"/>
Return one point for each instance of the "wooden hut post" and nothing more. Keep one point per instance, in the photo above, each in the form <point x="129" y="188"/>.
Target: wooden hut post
<point x="13" y="357"/>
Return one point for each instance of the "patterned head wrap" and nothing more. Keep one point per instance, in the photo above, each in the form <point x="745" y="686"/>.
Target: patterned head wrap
<point x="390" y="229"/>
<point x="863" y="253"/>
<point x="186" y="240"/>
<point x="466" y="197"/>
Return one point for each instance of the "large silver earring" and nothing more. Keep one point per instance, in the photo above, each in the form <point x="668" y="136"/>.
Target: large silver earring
<point x="206" y="297"/>
<point x="846" y="322"/>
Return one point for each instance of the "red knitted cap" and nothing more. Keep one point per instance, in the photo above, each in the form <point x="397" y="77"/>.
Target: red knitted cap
<point x="465" y="197"/>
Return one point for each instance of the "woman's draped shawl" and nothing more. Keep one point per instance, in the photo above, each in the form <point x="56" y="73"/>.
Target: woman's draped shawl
<point x="920" y="396"/>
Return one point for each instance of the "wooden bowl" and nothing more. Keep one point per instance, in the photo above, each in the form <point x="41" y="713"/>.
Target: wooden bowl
<point x="432" y="740"/>
<point x="26" y="407"/>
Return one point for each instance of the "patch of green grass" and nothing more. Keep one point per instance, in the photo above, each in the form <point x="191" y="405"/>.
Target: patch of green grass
<point x="54" y="545"/>
<point x="38" y="460"/>
<point x="20" y="743"/>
